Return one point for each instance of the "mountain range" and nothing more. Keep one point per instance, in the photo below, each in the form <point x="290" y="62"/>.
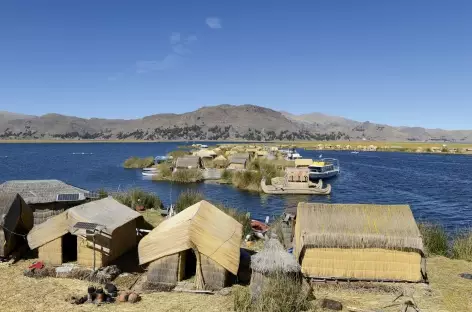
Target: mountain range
<point x="221" y="122"/>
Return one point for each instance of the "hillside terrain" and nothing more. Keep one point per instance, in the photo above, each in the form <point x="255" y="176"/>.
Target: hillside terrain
<point x="222" y="122"/>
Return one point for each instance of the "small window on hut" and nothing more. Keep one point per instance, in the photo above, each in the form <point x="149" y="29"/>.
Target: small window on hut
<point x="69" y="248"/>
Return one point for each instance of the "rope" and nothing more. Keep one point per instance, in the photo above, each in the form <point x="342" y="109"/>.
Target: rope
<point x="14" y="233"/>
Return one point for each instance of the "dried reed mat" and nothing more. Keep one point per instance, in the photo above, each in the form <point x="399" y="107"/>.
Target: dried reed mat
<point x="273" y="258"/>
<point x="102" y="276"/>
<point x="356" y="226"/>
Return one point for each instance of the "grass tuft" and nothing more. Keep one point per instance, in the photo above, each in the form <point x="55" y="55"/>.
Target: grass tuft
<point x="186" y="199"/>
<point x="187" y="176"/>
<point x="279" y="294"/>
<point x="135" y="197"/>
<point x="434" y="239"/>
<point x="462" y="247"/>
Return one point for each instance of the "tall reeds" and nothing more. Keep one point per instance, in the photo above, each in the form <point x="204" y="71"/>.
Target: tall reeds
<point x="186" y="199"/>
<point x="136" y="197"/>
<point x="434" y="239"/>
<point x="136" y="162"/>
<point x="462" y="246"/>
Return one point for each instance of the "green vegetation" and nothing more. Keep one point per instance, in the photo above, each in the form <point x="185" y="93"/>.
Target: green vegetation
<point x="280" y="294"/>
<point x="434" y="239"/>
<point x="227" y="176"/>
<point x="187" y="199"/>
<point x="136" y="162"/>
<point x="247" y="180"/>
<point x="462" y="247"/>
<point x="178" y="153"/>
<point x="135" y="197"/>
<point x="187" y="176"/>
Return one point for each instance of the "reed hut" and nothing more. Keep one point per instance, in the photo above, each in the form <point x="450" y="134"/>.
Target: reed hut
<point x="220" y="161"/>
<point x="46" y="198"/>
<point x="16" y="220"/>
<point x="359" y="242"/>
<point x="188" y="162"/>
<point x="238" y="161"/>
<point x="271" y="262"/>
<point x="59" y="241"/>
<point x="205" y="154"/>
<point x="303" y="162"/>
<point x="201" y="240"/>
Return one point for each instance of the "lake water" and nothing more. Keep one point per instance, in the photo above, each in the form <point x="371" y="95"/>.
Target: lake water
<point x="438" y="187"/>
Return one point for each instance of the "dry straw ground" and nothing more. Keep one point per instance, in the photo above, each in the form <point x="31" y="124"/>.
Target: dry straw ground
<point x="447" y="292"/>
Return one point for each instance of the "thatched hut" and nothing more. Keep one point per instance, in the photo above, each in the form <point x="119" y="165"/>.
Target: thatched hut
<point x="303" y="162"/>
<point x="205" y="154"/>
<point x="359" y="242"/>
<point x="270" y="262"/>
<point x="201" y="240"/>
<point x="16" y="220"/>
<point x="220" y="161"/>
<point x="238" y="161"/>
<point x="46" y="198"/>
<point x="188" y="162"/>
<point x="58" y="241"/>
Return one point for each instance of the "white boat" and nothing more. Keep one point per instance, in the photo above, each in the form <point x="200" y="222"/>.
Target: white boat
<point x="354" y="152"/>
<point x="324" y="169"/>
<point x="203" y="146"/>
<point x="149" y="173"/>
<point x="293" y="154"/>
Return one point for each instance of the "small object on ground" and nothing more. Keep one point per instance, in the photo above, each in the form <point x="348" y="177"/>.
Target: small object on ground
<point x="133" y="298"/>
<point x="110" y="288"/>
<point x="100" y="297"/>
<point x="466" y="276"/>
<point x="99" y="290"/>
<point x="90" y="297"/>
<point x="90" y="289"/>
<point x="259" y="226"/>
<point x="331" y="304"/>
<point x="123" y="297"/>
<point x="36" y="265"/>
<point x="110" y="299"/>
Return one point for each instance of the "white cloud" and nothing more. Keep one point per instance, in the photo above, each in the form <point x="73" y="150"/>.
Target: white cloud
<point x="190" y="39"/>
<point x="213" y="22"/>
<point x="174" y="38"/>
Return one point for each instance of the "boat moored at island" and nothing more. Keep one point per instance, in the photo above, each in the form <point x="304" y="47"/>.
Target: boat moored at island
<point x="292" y="154"/>
<point x="295" y="181"/>
<point x="324" y="168"/>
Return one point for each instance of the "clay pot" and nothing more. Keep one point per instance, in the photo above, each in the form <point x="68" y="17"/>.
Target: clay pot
<point x="133" y="297"/>
<point x="100" y="297"/>
<point x="123" y="297"/>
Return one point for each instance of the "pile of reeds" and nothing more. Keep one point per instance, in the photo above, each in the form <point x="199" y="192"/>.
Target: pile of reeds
<point x="136" y="162"/>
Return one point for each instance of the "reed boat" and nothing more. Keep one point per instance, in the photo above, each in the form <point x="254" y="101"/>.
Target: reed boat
<point x="304" y="188"/>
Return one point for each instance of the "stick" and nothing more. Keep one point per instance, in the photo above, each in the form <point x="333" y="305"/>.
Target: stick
<point x="208" y="292"/>
<point x="353" y="309"/>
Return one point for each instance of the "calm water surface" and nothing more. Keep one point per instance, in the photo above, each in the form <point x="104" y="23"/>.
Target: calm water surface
<point x="438" y="187"/>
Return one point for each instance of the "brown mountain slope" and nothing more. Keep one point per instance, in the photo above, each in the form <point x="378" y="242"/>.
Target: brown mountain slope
<point x="222" y="122"/>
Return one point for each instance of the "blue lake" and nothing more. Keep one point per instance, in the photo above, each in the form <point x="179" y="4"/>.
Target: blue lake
<point x="438" y="187"/>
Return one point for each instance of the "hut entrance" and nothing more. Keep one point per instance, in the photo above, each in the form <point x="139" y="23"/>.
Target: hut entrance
<point x="188" y="264"/>
<point x="69" y="248"/>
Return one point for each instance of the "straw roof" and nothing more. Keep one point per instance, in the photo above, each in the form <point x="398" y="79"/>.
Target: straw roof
<point x="274" y="258"/>
<point x="303" y="162"/>
<point x="220" y="158"/>
<point x="202" y="226"/>
<point x="188" y="162"/>
<point x="205" y="153"/>
<point x="107" y="212"/>
<point x="356" y="226"/>
<point x="241" y="155"/>
<point x="41" y="191"/>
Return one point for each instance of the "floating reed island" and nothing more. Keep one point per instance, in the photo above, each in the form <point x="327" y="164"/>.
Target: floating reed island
<point x="255" y="168"/>
<point x="371" y="251"/>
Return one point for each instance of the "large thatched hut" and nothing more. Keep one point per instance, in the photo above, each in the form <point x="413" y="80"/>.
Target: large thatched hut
<point x="59" y="240"/>
<point x="271" y="262"/>
<point x="201" y="240"/>
<point x="188" y="162"/>
<point x="220" y="161"/>
<point x="16" y="220"/>
<point x="46" y="198"/>
<point x="359" y="242"/>
<point x="238" y="161"/>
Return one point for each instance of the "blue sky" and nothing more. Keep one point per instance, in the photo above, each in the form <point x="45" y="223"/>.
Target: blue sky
<point x="402" y="62"/>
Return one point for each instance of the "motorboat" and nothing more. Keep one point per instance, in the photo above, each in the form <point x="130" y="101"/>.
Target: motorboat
<point x="324" y="168"/>
<point x="149" y="172"/>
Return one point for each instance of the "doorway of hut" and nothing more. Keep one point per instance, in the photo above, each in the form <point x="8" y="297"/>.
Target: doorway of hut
<point x="69" y="248"/>
<point x="188" y="264"/>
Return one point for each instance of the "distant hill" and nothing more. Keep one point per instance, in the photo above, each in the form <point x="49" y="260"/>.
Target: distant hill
<point x="222" y="122"/>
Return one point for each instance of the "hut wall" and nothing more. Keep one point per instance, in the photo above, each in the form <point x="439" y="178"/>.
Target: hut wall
<point x="42" y="212"/>
<point x="85" y="254"/>
<point x="215" y="277"/>
<point x="51" y="253"/>
<point x="365" y="264"/>
<point x="164" y="272"/>
<point x="124" y="238"/>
